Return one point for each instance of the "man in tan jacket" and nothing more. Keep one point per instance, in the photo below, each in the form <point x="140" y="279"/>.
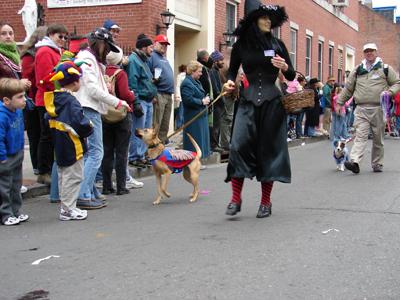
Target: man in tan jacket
<point x="366" y="83"/>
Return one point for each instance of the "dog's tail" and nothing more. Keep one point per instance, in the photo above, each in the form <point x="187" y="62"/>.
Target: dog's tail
<point x="198" y="150"/>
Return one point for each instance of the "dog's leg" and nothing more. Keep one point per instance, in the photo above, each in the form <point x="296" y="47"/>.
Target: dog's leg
<point x="192" y="177"/>
<point x="158" y="181"/>
<point x="167" y="175"/>
<point x="341" y="167"/>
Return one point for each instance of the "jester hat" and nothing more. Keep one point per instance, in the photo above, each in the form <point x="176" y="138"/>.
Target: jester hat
<point x="66" y="73"/>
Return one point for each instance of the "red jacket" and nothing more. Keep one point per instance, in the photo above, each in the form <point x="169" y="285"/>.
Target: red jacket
<point x="45" y="61"/>
<point x="397" y="104"/>
<point x="121" y="85"/>
<point x="28" y="71"/>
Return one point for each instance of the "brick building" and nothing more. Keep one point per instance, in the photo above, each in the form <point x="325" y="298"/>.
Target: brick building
<point x="321" y="38"/>
<point x="375" y="28"/>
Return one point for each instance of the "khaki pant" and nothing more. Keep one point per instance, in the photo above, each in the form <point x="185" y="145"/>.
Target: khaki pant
<point x="327" y="119"/>
<point x="364" y="119"/>
<point x="162" y="114"/>
<point x="69" y="181"/>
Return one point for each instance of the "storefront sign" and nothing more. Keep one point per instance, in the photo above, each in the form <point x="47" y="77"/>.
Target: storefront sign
<point x="77" y="3"/>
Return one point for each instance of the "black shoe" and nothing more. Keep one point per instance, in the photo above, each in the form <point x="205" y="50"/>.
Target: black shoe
<point x="352" y="166"/>
<point x="233" y="208"/>
<point x="217" y="149"/>
<point x="264" y="211"/>
<point x="123" y="191"/>
<point x="108" y="191"/>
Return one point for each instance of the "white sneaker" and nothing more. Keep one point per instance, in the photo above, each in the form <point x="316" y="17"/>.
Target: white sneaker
<point x="75" y="214"/>
<point x="202" y="167"/>
<point x="132" y="183"/>
<point x="23" y="189"/>
<point x="11" y="221"/>
<point x="22" y="218"/>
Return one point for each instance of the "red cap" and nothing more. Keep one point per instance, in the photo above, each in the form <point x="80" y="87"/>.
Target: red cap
<point x="161" y="39"/>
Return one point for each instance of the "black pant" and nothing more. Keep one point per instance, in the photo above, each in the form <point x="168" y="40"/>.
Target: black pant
<point x="32" y="122"/>
<point x="116" y="136"/>
<point x="214" y="131"/>
<point x="46" y="149"/>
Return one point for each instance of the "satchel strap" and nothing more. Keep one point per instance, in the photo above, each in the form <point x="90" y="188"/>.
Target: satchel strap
<point x="144" y="67"/>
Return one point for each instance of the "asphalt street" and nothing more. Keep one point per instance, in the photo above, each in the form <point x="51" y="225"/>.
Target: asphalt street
<point x="133" y="249"/>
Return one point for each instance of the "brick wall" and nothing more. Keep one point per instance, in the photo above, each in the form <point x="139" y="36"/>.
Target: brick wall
<point x="309" y="15"/>
<point x="385" y="34"/>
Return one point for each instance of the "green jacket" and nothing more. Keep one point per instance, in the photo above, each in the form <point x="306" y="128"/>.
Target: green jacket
<point x="327" y="89"/>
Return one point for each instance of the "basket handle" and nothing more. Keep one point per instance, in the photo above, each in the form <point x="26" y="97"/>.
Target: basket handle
<point x="300" y="74"/>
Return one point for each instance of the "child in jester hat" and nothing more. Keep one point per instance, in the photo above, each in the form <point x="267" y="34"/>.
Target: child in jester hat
<point x="69" y="128"/>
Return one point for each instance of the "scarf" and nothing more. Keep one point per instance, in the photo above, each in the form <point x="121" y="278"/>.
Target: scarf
<point x="11" y="55"/>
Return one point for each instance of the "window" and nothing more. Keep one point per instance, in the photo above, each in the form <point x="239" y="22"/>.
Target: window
<point x="230" y="18"/>
<point x="320" y="54"/>
<point x="330" y="63"/>
<point x="340" y="66"/>
<point x="293" y="41"/>
<point x="308" y="56"/>
<point x="277" y="32"/>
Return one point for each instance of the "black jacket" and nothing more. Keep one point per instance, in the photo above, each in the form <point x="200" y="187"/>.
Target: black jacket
<point x="216" y="84"/>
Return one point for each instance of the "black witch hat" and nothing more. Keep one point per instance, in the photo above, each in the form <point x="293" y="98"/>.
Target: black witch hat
<point x="253" y="9"/>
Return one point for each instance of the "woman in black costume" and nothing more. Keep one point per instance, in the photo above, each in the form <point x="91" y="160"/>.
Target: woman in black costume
<point x="259" y="147"/>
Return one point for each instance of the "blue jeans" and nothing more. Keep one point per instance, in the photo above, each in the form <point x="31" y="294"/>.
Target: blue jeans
<point x="342" y="127"/>
<point x="54" y="193"/>
<point x="309" y="130"/>
<point x="179" y="117"/>
<point x="334" y="131"/>
<point x="137" y="147"/>
<point x="93" y="157"/>
<point x="299" y="126"/>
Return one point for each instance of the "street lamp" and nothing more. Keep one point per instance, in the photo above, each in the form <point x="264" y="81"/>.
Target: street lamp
<point x="227" y="37"/>
<point x="167" y="19"/>
<point x="347" y="73"/>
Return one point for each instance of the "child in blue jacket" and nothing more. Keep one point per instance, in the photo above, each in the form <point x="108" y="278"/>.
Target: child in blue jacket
<point x="69" y="129"/>
<point x="12" y="95"/>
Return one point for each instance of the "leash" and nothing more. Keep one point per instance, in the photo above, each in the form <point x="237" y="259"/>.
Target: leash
<point x="350" y="140"/>
<point x="188" y="123"/>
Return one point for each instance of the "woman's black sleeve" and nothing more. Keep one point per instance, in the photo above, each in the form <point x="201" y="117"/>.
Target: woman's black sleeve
<point x="234" y="63"/>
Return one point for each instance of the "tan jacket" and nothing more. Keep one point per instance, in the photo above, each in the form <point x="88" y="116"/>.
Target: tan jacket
<point x="367" y="87"/>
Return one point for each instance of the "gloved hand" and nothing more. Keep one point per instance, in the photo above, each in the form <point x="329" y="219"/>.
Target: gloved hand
<point x="157" y="81"/>
<point x="137" y="110"/>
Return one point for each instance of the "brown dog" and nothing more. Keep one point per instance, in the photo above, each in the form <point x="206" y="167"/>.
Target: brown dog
<point x="190" y="171"/>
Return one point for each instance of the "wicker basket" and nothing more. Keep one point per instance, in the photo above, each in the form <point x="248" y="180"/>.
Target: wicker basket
<point x="298" y="102"/>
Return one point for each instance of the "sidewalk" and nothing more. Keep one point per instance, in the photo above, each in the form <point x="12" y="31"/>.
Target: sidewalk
<point x="38" y="189"/>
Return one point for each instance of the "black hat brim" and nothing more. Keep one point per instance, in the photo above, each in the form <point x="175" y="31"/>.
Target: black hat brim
<point x="277" y="15"/>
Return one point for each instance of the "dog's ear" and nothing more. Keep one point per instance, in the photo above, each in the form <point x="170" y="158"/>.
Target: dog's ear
<point x="336" y="144"/>
<point x="155" y="129"/>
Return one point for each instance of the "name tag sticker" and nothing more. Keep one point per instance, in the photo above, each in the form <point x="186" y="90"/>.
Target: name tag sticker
<point x="374" y="76"/>
<point x="269" y="53"/>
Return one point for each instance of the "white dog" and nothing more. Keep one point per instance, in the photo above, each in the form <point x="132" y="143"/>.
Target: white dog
<point x="340" y="154"/>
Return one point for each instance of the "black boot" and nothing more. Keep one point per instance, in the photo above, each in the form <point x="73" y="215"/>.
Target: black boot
<point x="233" y="208"/>
<point x="264" y="211"/>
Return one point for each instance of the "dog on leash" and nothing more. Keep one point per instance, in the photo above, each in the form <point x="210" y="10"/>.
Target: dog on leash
<point x="165" y="162"/>
<point x="340" y="153"/>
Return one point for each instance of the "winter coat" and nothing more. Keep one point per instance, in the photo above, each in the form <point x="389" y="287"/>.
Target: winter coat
<point x="312" y="116"/>
<point x="397" y="104"/>
<point x="28" y="71"/>
<point x="216" y="84"/>
<point x="11" y="131"/>
<point x="47" y="57"/>
<point x="327" y="93"/>
<point x="121" y="85"/>
<point x="6" y="71"/>
<point x="139" y="76"/>
<point x="93" y="92"/>
<point x="69" y="127"/>
<point x="366" y="87"/>
<point x="192" y="94"/>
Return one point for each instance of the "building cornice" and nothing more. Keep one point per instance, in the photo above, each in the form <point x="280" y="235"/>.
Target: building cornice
<point x="338" y="14"/>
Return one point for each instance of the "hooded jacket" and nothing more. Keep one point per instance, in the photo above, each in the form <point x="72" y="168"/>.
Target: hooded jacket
<point x="368" y="86"/>
<point x="47" y="57"/>
<point x="69" y="127"/>
<point x="11" y="131"/>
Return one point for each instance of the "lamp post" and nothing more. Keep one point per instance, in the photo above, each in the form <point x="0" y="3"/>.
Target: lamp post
<point x="167" y="18"/>
<point x="347" y="72"/>
<point x="227" y="37"/>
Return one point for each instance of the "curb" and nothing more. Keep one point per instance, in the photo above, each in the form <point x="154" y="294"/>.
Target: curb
<point x="38" y="189"/>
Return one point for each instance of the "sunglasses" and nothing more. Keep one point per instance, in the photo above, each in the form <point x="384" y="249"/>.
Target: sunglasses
<point x="60" y="36"/>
